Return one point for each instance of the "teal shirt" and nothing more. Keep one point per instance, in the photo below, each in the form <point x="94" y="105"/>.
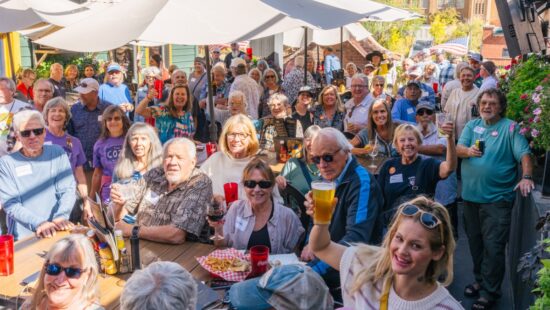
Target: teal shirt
<point x="493" y="176"/>
<point x="293" y="173"/>
<point x="170" y="127"/>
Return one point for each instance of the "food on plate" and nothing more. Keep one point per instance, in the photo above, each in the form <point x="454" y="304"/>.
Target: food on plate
<point x="227" y="264"/>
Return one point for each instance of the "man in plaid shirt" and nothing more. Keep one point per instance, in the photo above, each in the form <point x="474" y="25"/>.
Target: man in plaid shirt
<point x="446" y="74"/>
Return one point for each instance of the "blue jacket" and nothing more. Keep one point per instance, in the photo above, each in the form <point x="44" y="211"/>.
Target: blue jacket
<point x="353" y="220"/>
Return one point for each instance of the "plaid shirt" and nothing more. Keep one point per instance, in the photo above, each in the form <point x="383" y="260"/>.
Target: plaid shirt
<point x="446" y="74"/>
<point x="184" y="207"/>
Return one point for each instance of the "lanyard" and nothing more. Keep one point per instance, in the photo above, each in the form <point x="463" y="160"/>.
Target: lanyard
<point x="385" y="295"/>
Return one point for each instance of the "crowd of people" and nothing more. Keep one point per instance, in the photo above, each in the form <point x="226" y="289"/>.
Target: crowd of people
<point x="391" y="240"/>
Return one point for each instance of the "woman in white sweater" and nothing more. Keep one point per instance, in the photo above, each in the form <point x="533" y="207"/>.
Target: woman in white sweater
<point x="403" y="274"/>
<point x="237" y="146"/>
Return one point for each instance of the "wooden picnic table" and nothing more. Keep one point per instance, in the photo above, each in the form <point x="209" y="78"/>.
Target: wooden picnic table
<point x="28" y="260"/>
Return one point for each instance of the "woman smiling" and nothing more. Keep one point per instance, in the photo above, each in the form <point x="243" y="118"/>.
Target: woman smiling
<point x="380" y="128"/>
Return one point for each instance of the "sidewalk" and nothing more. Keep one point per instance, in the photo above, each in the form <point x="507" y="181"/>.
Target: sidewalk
<point x="463" y="273"/>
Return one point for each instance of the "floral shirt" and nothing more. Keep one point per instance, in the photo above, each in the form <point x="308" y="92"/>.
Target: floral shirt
<point x="170" y="127"/>
<point x="320" y="119"/>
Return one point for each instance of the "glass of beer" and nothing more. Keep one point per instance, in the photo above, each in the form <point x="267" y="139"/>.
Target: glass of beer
<point x="323" y="196"/>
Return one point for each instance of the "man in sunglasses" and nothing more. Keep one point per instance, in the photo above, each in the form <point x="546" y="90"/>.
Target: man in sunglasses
<point x="37" y="187"/>
<point x="170" y="201"/>
<point x="359" y="198"/>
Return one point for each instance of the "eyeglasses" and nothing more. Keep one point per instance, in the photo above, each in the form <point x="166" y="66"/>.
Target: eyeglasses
<point x="381" y="85"/>
<point x="240" y="135"/>
<point x="327" y="158"/>
<point x="36" y="132"/>
<point x="269" y="76"/>
<point x="115" y="118"/>
<point x="70" y="272"/>
<point x="113" y="72"/>
<point x="252" y="184"/>
<point x="357" y="86"/>
<point x="421" y="112"/>
<point x="427" y="219"/>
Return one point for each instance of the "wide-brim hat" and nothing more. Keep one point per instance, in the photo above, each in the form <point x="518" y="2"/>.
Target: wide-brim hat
<point x="375" y="53"/>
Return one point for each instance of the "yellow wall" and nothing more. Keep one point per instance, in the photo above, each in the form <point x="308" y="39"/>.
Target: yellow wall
<point x="15" y="52"/>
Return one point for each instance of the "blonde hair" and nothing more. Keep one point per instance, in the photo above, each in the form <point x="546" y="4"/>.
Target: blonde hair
<point x="246" y="123"/>
<point x="68" y="68"/>
<point x="401" y="129"/>
<point x="73" y="247"/>
<point x="125" y="164"/>
<point x="339" y="105"/>
<point x="379" y="267"/>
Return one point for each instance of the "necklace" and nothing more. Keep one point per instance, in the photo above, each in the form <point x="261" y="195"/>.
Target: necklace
<point x="311" y="171"/>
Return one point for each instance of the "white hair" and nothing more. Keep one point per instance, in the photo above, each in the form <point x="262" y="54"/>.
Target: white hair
<point x="57" y="102"/>
<point x="9" y="82"/>
<point x="237" y="93"/>
<point x="24" y="116"/>
<point x="162" y="285"/>
<point x="363" y="77"/>
<point x="191" y="149"/>
<point x="179" y="71"/>
<point x="336" y="135"/>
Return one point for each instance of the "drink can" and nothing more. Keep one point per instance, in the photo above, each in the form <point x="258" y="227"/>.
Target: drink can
<point x="480" y="144"/>
<point x="323" y="197"/>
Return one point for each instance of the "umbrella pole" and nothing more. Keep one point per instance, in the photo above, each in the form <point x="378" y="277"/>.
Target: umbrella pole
<point x="305" y="56"/>
<point x="13" y="77"/>
<point x="213" y="129"/>
<point x="342" y="47"/>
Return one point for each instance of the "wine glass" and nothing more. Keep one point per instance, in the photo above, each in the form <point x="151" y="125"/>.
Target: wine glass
<point x="373" y="153"/>
<point x="215" y="212"/>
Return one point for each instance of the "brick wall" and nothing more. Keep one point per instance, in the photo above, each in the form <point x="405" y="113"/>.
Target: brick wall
<point x="493" y="46"/>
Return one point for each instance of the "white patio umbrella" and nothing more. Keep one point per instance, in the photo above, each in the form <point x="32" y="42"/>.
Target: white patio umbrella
<point x="16" y="15"/>
<point x="191" y="22"/>
<point x="295" y="37"/>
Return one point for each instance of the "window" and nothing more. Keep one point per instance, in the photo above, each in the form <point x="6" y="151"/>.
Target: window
<point x="505" y="53"/>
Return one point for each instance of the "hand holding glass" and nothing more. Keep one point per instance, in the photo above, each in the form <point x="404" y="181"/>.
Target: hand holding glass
<point x="323" y="198"/>
<point x="216" y="212"/>
<point x="441" y="119"/>
<point x="373" y="153"/>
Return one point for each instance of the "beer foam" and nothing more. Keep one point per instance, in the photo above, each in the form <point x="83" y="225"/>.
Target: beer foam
<point x="324" y="186"/>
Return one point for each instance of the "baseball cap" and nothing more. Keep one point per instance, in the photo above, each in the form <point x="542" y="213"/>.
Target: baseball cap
<point x="237" y="62"/>
<point x="285" y="287"/>
<point x="415" y="70"/>
<point x="369" y="65"/>
<point x="425" y="105"/>
<point x="413" y="83"/>
<point x="305" y="89"/>
<point x="217" y="50"/>
<point x="475" y="56"/>
<point x="114" y="67"/>
<point x="87" y="85"/>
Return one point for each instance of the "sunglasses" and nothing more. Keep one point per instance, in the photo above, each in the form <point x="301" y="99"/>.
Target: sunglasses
<point x="70" y="272"/>
<point x="381" y="85"/>
<point x="116" y="119"/>
<point x="27" y="133"/>
<point x="269" y="76"/>
<point x="424" y="111"/>
<point x="252" y="184"/>
<point x="327" y="158"/>
<point x="427" y="219"/>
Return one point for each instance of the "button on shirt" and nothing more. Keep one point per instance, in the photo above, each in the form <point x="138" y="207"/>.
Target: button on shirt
<point x="86" y="126"/>
<point x="358" y="114"/>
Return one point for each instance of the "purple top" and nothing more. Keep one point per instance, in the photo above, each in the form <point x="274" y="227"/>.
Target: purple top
<point x="106" y="152"/>
<point x="71" y="145"/>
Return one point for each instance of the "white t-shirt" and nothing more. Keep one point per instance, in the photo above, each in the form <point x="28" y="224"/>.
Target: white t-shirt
<point x="368" y="297"/>
<point x="459" y="107"/>
<point x="360" y="114"/>
<point x="6" y="117"/>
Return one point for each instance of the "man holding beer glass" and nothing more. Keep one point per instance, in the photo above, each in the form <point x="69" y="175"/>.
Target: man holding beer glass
<point x="347" y="199"/>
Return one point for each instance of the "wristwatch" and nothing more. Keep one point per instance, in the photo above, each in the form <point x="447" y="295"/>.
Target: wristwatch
<point x="135" y="231"/>
<point x="527" y="177"/>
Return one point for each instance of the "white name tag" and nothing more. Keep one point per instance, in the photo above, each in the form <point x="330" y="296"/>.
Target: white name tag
<point x="152" y="197"/>
<point x="410" y="111"/>
<point x="396" y="178"/>
<point x="22" y="171"/>
<point x="47" y="142"/>
<point x="99" y="118"/>
<point x="479" y="130"/>
<point x="241" y="223"/>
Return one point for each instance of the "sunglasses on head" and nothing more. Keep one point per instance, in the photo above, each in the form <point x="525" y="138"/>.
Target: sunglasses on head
<point x="424" y="111"/>
<point x="27" y="133"/>
<point x="70" y="272"/>
<point x="327" y="158"/>
<point x="252" y="184"/>
<point x="427" y="219"/>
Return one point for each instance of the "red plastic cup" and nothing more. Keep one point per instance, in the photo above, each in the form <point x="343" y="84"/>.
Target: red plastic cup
<point x="259" y="260"/>
<point x="6" y="255"/>
<point x="435" y="87"/>
<point x="249" y="52"/>
<point x="210" y="148"/>
<point x="231" y="191"/>
<point x="159" y="85"/>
